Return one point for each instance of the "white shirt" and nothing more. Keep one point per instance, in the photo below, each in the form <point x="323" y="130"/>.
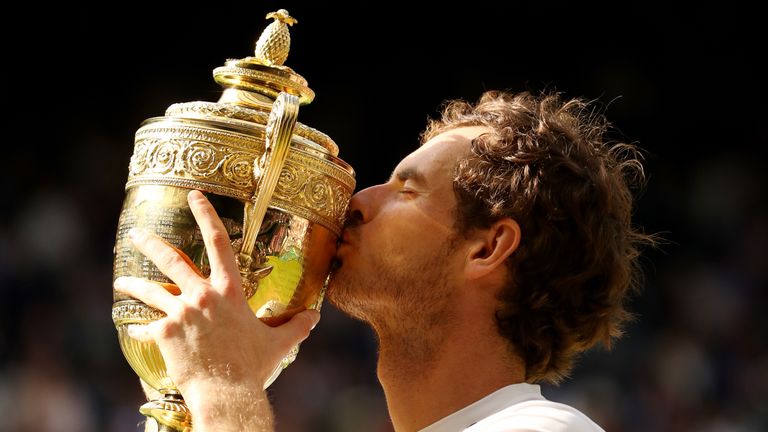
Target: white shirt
<point x="517" y="407"/>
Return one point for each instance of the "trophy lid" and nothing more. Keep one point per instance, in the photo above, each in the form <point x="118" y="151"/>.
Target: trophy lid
<point x="212" y="146"/>
<point x="251" y="85"/>
<point x="264" y="73"/>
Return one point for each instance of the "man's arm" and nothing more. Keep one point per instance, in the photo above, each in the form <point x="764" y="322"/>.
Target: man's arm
<point x="216" y="351"/>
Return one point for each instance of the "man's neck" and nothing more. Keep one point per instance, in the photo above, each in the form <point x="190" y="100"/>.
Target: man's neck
<point x="422" y="386"/>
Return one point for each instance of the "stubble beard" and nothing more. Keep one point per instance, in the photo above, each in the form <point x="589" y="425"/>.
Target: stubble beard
<point x="408" y="307"/>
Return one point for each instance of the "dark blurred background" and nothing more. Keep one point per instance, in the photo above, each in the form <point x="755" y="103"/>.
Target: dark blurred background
<point x="681" y="81"/>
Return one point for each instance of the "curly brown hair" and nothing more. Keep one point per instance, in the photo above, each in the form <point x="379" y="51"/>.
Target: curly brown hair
<point x="546" y="164"/>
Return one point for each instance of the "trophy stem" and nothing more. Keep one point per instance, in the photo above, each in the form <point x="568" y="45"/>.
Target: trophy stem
<point x="169" y="414"/>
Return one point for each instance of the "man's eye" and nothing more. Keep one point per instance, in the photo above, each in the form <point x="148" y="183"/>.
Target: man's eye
<point x="405" y="191"/>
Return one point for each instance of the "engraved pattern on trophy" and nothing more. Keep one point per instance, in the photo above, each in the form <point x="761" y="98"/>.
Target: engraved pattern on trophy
<point x="174" y="223"/>
<point x="200" y="158"/>
<point x="181" y="130"/>
<point x="315" y="185"/>
<point x="134" y="312"/>
<point x="236" y="112"/>
<point x="217" y="147"/>
<point x="207" y="162"/>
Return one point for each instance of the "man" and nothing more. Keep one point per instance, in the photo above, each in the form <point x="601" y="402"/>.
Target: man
<point x="496" y="252"/>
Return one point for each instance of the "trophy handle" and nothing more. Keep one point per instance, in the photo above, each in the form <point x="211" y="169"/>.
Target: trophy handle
<point x="266" y="171"/>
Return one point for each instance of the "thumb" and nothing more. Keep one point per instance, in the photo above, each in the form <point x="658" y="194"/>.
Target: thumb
<point x="149" y="391"/>
<point x="298" y="328"/>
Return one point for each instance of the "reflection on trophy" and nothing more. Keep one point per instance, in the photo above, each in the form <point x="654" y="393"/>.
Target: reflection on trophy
<point x="277" y="185"/>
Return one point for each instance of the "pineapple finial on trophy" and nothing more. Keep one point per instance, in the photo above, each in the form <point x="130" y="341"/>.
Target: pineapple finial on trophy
<point x="275" y="41"/>
<point x="256" y="81"/>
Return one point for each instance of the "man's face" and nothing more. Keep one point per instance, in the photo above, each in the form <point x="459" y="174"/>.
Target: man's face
<point x="398" y="256"/>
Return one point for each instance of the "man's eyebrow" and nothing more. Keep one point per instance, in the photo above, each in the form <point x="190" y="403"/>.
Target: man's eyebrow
<point x="410" y="173"/>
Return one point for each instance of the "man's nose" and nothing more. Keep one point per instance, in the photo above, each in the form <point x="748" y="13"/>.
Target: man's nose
<point x="362" y="207"/>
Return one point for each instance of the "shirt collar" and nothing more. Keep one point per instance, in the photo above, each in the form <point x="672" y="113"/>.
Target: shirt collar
<point x="491" y="404"/>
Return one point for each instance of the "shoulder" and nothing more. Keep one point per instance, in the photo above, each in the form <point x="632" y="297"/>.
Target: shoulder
<point x="537" y="416"/>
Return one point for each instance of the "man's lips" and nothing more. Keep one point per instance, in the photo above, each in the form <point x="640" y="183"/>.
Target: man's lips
<point x="345" y="238"/>
<point x="344" y="241"/>
<point x="341" y="243"/>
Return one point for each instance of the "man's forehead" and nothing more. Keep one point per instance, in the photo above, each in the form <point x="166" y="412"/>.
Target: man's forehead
<point x="460" y="135"/>
<point x="440" y="152"/>
<point x="450" y="145"/>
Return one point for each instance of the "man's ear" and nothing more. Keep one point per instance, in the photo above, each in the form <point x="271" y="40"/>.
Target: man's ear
<point x="490" y="247"/>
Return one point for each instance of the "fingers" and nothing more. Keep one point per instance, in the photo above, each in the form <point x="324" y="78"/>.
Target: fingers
<point x="298" y="328"/>
<point x="166" y="257"/>
<point x="141" y="332"/>
<point x="215" y="237"/>
<point x="150" y="392"/>
<point x="148" y="292"/>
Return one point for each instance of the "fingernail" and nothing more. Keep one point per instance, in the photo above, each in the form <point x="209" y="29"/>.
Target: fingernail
<point x="133" y="332"/>
<point x="120" y="282"/>
<point x="315" y="318"/>
<point x="136" y="234"/>
<point x="196" y="194"/>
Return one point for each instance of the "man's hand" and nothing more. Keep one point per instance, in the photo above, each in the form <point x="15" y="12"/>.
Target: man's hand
<point x="216" y="351"/>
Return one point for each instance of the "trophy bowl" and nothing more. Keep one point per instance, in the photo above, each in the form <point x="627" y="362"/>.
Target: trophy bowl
<point x="277" y="184"/>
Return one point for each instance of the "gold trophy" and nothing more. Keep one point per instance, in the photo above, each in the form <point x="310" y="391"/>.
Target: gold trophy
<point x="277" y="184"/>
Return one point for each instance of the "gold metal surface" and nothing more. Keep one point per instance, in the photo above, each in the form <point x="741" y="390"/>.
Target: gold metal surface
<point x="216" y="156"/>
<point x="275" y="41"/>
<point x="267" y="171"/>
<point x="293" y="207"/>
<point x="250" y="75"/>
<point x="170" y="413"/>
<point x="298" y="250"/>
<point x="225" y="112"/>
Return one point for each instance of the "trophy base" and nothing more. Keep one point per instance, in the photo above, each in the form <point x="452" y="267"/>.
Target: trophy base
<point x="169" y="414"/>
